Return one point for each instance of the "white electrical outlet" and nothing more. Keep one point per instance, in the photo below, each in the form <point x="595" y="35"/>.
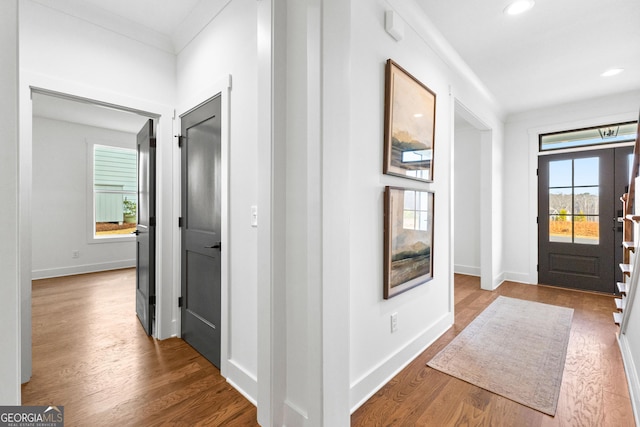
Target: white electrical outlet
<point x="394" y="322"/>
<point x="75" y="254"/>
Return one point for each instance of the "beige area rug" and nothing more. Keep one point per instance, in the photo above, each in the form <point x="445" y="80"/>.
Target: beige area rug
<point x="514" y="348"/>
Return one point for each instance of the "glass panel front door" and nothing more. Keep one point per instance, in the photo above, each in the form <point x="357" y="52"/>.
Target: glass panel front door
<point x="574" y="189"/>
<point x="577" y="201"/>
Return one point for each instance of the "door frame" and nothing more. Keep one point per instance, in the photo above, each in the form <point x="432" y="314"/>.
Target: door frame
<point x="166" y="292"/>
<point x="534" y="134"/>
<point x="220" y="87"/>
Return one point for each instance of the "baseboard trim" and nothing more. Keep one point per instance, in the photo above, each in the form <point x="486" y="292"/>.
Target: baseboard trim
<point x="81" y="269"/>
<point x="632" y="376"/>
<point x="365" y="387"/>
<point x="498" y="280"/>
<point x="518" y="277"/>
<point x="467" y="270"/>
<point x="173" y="331"/>
<point x="242" y="380"/>
<point x="507" y="276"/>
<point x="294" y="416"/>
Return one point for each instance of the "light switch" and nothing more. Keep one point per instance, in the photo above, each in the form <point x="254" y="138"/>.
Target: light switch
<point x="254" y="216"/>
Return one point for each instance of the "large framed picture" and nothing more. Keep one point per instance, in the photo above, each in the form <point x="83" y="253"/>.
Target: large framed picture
<point x="409" y="125"/>
<point x="408" y="239"/>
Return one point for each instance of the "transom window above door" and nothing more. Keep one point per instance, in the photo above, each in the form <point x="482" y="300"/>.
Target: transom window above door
<point x="589" y="137"/>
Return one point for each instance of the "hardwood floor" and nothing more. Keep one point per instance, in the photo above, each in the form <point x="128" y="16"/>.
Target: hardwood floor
<point x="594" y="388"/>
<point x="91" y="355"/>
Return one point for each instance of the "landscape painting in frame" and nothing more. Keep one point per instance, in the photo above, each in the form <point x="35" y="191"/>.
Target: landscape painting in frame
<point x="410" y="112"/>
<point x="408" y="239"/>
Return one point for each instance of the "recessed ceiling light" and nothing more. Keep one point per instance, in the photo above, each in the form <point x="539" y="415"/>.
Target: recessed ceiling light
<point x="417" y="115"/>
<point x="612" y="72"/>
<point x="518" y="7"/>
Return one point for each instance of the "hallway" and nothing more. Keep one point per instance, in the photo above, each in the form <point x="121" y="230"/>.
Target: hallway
<point x="594" y="388"/>
<point x="91" y="355"/>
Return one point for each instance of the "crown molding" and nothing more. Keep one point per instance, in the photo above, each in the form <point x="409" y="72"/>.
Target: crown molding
<point x="110" y="22"/>
<point x="197" y="20"/>
<point x="418" y="20"/>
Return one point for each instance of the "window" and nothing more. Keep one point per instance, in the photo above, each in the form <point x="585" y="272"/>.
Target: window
<point x="601" y="135"/>
<point x="574" y="197"/>
<point x="115" y="192"/>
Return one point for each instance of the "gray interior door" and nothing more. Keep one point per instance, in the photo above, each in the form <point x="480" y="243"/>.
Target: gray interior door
<point x="577" y="222"/>
<point x="145" y="229"/>
<point x="201" y="239"/>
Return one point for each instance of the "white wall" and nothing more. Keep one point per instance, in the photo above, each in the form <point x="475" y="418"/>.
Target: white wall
<point x="466" y="201"/>
<point x="520" y="180"/>
<point x="425" y="312"/>
<point x="301" y="230"/>
<point x="271" y="121"/>
<point x="67" y="48"/>
<point x="62" y="53"/>
<point x="9" y="288"/>
<point x="227" y="46"/>
<point x="315" y="194"/>
<point x="62" y="202"/>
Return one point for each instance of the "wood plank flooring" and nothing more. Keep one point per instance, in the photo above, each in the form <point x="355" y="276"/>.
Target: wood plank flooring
<point x="594" y="388"/>
<point x="91" y="355"/>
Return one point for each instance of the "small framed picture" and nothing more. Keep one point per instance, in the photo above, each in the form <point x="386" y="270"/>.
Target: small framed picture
<point x="409" y="125"/>
<point x="408" y="239"/>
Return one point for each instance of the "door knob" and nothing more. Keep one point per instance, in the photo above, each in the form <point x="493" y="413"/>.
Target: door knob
<point x="216" y="246"/>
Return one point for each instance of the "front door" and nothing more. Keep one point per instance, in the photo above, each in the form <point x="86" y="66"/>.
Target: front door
<point x="201" y="241"/>
<point x="578" y="199"/>
<point x="145" y="230"/>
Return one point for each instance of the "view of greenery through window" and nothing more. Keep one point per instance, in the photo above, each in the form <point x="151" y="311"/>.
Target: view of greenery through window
<point x="115" y="186"/>
<point x="574" y="201"/>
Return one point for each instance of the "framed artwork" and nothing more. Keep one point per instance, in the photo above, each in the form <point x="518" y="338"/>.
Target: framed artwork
<point x="409" y="125"/>
<point x="408" y="239"/>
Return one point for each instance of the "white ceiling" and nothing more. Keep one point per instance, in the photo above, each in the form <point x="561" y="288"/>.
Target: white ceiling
<point x="66" y="110"/>
<point x="552" y="54"/>
<point x="162" y="16"/>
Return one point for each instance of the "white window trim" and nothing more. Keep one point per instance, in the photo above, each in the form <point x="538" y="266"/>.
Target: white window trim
<point x="91" y="202"/>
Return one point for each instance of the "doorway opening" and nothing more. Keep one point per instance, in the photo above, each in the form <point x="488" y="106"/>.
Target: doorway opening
<point x="472" y="224"/>
<point x="62" y="189"/>
<point x="466" y="197"/>
<point x="84" y="178"/>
